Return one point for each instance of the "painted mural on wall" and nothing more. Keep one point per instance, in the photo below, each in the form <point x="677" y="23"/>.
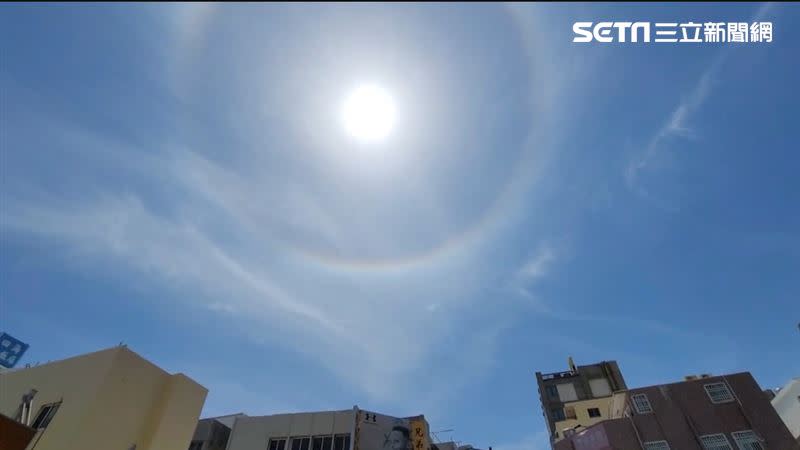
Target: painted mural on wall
<point x="380" y="432"/>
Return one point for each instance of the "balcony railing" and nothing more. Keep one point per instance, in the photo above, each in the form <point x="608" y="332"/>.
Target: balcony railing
<point x="557" y="375"/>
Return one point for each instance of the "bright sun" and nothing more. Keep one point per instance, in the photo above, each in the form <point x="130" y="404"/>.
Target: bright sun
<point x="368" y="113"/>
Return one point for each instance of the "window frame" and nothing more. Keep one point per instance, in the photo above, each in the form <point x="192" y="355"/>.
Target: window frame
<point x="636" y="405"/>
<point x="715" y="435"/>
<point x="277" y="440"/>
<point x="560" y="417"/>
<point x="44" y="421"/>
<point x="589" y="412"/>
<point x="727" y="389"/>
<point x="346" y="441"/>
<point x="551" y="391"/>
<point x="662" y="443"/>
<point x="300" y="439"/>
<point x="747" y="433"/>
<point x="569" y="391"/>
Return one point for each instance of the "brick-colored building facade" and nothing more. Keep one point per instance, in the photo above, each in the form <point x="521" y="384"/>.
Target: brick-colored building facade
<point x="719" y="413"/>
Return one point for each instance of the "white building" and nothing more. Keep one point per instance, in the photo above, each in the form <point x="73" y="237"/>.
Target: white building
<point x="787" y="403"/>
<point x="328" y="430"/>
<point x="351" y="429"/>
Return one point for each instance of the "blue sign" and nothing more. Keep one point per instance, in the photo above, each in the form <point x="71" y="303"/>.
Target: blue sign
<point x="11" y="350"/>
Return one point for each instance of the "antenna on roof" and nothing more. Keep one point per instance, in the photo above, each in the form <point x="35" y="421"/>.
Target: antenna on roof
<point x="436" y="435"/>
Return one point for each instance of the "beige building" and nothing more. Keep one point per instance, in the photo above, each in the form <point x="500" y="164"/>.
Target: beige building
<point x="584" y="413"/>
<point x="110" y="399"/>
<point x="579" y="397"/>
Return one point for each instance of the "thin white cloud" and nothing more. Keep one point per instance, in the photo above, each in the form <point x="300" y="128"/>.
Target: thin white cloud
<point x="677" y="125"/>
<point x="535" y="269"/>
<point x="235" y="239"/>
<point x="538" y="266"/>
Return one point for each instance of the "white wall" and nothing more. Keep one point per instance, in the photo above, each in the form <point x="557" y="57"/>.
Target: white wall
<point x="253" y="433"/>
<point x="787" y="403"/>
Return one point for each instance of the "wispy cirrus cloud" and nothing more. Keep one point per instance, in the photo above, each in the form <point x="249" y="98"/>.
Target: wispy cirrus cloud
<point x="286" y="238"/>
<point x="536" y="268"/>
<point x="678" y="124"/>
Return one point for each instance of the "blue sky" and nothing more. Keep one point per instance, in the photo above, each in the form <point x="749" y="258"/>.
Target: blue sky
<point x="176" y="177"/>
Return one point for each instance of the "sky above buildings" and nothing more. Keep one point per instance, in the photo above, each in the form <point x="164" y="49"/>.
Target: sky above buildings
<point x="178" y="178"/>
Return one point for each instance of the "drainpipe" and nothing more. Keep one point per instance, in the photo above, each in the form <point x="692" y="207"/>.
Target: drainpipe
<point x="630" y="418"/>
<point x="636" y="430"/>
<point x="355" y="430"/>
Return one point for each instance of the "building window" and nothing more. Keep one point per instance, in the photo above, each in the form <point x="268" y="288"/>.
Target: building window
<point x="600" y="387"/>
<point x="715" y="442"/>
<point x="718" y="392"/>
<point x="196" y="445"/>
<point x="552" y="392"/>
<point x="594" y="412"/>
<point x="567" y="392"/>
<point x="46" y="413"/>
<point x="557" y="414"/>
<point x="747" y="440"/>
<point x="656" y="445"/>
<point x="341" y="442"/>
<point x="641" y="404"/>
<point x="277" y="444"/>
<point x="301" y="443"/>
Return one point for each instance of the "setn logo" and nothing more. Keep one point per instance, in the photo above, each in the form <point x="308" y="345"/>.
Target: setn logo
<point x="604" y="31"/>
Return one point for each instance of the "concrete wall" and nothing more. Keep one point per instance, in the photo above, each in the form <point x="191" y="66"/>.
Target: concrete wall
<point x="253" y="433"/>
<point x="123" y="405"/>
<point x="73" y="381"/>
<point x="110" y="399"/>
<point x="683" y="411"/>
<point x="673" y="404"/>
<point x="582" y="414"/>
<point x="179" y="406"/>
<point x="787" y="405"/>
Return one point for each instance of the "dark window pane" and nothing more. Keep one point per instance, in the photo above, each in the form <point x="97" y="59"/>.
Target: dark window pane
<point x="327" y="442"/>
<point x="339" y="442"/>
<point x="282" y="444"/>
<point x="552" y="392"/>
<point x="317" y="443"/>
<point x="304" y="443"/>
<point x="557" y="414"/>
<point x="347" y="442"/>
<point x="295" y="444"/>
<point x="44" y="417"/>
